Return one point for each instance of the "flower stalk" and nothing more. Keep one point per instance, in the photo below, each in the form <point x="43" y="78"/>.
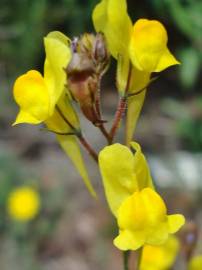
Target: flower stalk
<point x="88" y="147"/>
<point x="126" y="255"/>
<point x="122" y="105"/>
<point x="138" y="258"/>
<point x="80" y="136"/>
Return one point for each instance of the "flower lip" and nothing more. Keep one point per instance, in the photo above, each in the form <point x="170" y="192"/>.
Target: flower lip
<point x="148" y="46"/>
<point x="143" y="219"/>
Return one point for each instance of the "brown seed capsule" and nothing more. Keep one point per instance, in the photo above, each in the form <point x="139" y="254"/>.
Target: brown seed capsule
<point x="84" y="72"/>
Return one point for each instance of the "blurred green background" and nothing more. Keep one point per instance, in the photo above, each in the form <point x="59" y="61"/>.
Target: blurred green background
<point x="72" y="231"/>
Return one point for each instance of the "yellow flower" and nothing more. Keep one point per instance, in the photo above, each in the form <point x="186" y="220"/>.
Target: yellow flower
<point x="142" y="219"/>
<point x="38" y="96"/>
<point x="143" y="44"/>
<point x="140" y="211"/>
<point x="123" y="173"/>
<point x="195" y="263"/>
<point x="23" y="204"/>
<point x="160" y="257"/>
<point x="148" y="46"/>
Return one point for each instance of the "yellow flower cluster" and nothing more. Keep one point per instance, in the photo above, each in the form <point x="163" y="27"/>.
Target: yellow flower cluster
<point x="140" y="49"/>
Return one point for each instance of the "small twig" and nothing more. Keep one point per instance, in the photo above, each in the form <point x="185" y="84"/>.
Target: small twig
<point x="120" y="108"/>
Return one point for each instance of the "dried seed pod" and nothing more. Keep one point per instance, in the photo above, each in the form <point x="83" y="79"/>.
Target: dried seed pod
<point x="89" y="61"/>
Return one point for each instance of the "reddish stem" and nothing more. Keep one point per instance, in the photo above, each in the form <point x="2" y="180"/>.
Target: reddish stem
<point x="119" y="114"/>
<point x="79" y="135"/>
<point x="120" y="108"/>
<point x="88" y="147"/>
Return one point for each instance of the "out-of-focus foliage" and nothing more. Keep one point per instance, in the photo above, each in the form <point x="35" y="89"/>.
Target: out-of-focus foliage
<point x="24" y="23"/>
<point x="26" y="236"/>
<point x="186" y="15"/>
<point x="188" y="116"/>
<point x="184" y="18"/>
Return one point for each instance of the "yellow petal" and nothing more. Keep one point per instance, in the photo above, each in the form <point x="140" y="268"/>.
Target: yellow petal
<point x="154" y="204"/>
<point x="111" y="18"/>
<point x="195" y="263"/>
<point x="32" y="96"/>
<point x="148" y="46"/>
<point x="144" y="207"/>
<point x="100" y="15"/>
<point x="141" y="168"/>
<point x="175" y="222"/>
<point x="158" y="235"/>
<point x="57" y="123"/>
<point x="116" y="166"/>
<point x="139" y="81"/>
<point x="143" y="213"/>
<point x="128" y="240"/>
<point x="132" y="213"/>
<point x="58" y="55"/>
<point x="60" y="37"/>
<point x="24" y="117"/>
<point x="71" y="148"/>
<point x="123" y="64"/>
<point x="133" y="112"/>
<point x="69" y="143"/>
<point x="160" y="257"/>
<point x="166" y="60"/>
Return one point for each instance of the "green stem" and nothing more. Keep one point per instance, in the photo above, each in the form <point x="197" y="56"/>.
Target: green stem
<point x="126" y="255"/>
<point x="139" y="258"/>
